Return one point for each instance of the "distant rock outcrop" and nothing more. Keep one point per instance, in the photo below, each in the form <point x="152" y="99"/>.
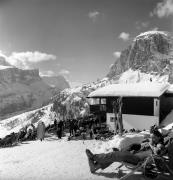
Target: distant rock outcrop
<point x="58" y="82"/>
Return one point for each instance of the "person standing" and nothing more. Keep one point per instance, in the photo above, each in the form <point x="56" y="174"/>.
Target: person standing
<point x="71" y="127"/>
<point x="75" y="126"/>
<point x="55" y="124"/>
<point x="33" y="135"/>
<point x="60" y="129"/>
<point x="40" y="130"/>
<point x="91" y="127"/>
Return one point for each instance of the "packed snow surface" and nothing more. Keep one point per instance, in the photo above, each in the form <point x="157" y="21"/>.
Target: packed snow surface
<point x="54" y="159"/>
<point x="146" y="89"/>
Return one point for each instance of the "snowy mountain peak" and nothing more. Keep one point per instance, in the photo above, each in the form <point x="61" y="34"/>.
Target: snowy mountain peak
<point x="147" y="34"/>
<point x="150" y="53"/>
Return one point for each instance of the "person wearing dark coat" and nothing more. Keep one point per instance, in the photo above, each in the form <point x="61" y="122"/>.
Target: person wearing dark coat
<point x="60" y="129"/>
<point x="55" y="124"/>
<point x="34" y="132"/>
<point x="75" y="127"/>
<point x="71" y="127"/>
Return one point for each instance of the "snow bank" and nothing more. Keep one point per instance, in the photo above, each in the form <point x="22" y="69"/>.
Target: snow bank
<point x="121" y="142"/>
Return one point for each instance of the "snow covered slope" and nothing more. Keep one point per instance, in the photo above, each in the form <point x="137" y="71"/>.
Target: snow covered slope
<point x="15" y="123"/>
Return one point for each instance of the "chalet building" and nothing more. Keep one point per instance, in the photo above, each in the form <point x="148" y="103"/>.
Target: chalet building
<point x="144" y="104"/>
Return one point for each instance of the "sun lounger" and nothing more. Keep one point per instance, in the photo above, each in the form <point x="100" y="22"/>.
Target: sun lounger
<point x="147" y="167"/>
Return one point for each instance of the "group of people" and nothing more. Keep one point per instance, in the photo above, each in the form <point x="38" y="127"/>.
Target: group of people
<point x="73" y="127"/>
<point x="157" y="144"/>
<point x="83" y="127"/>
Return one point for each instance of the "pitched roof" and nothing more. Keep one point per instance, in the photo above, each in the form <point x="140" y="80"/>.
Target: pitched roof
<point x="146" y="89"/>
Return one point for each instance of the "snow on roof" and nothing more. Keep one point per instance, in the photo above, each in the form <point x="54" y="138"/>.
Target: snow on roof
<point x="5" y="67"/>
<point x="146" y="89"/>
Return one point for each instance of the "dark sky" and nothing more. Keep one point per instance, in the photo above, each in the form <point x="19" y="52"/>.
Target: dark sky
<point x="82" y="34"/>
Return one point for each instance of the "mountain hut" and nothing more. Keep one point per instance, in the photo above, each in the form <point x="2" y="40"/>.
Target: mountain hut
<point x="144" y="104"/>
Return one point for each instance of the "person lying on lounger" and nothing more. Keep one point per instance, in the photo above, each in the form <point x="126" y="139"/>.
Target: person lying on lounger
<point x="156" y="146"/>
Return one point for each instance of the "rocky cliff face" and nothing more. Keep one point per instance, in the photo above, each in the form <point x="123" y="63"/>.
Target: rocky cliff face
<point x="21" y="90"/>
<point x="150" y="52"/>
<point x="15" y="75"/>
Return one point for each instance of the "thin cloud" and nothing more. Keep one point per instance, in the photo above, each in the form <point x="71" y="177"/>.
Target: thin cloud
<point x="141" y="25"/>
<point x="47" y="73"/>
<point x="75" y="84"/>
<point x="154" y="29"/>
<point x="124" y="36"/>
<point x="117" y="54"/>
<point x="93" y="15"/>
<point x="64" y="72"/>
<point x="25" y="60"/>
<point x="163" y="9"/>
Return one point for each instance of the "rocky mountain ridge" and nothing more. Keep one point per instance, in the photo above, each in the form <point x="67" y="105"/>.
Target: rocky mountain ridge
<point x="14" y="75"/>
<point x="22" y="90"/>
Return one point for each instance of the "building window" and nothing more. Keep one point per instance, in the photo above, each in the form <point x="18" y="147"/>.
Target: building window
<point x="103" y="107"/>
<point x="103" y="100"/>
<point x="94" y="101"/>
<point x="138" y="106"/>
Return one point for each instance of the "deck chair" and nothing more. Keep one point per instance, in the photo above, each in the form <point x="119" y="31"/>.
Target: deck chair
<point x="148" y="167"/>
